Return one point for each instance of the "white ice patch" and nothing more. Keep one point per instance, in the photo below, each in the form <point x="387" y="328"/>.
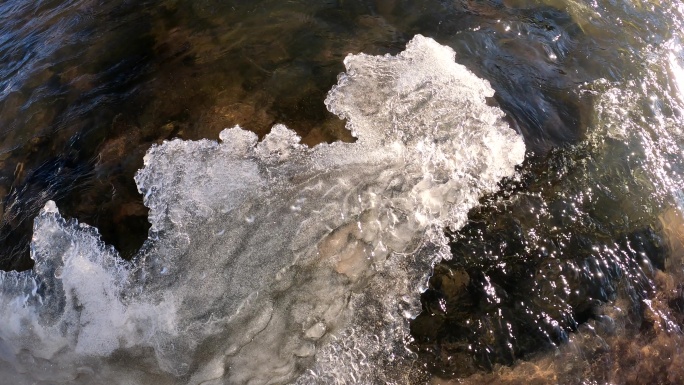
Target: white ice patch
<point x="270" y="262"/>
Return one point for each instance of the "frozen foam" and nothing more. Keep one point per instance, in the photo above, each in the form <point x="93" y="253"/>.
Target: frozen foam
<point x="270" y="262"/>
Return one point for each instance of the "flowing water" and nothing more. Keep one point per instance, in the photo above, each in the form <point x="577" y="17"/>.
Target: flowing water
<point x="502" y="202"/>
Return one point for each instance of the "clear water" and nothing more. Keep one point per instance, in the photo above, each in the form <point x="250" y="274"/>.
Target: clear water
<point x="569" y="274"/>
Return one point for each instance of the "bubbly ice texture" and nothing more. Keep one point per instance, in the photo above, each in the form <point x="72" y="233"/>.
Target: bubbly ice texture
<point x="270" y="262"/>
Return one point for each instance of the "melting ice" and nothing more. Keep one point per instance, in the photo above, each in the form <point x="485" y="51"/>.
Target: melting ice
<point x="270" y="262"/>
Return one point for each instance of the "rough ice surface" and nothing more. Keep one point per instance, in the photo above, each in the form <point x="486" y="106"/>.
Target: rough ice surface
<point x="270" y="262"/>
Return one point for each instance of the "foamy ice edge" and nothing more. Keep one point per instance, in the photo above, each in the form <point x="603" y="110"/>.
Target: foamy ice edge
<point x="270" y="262"/>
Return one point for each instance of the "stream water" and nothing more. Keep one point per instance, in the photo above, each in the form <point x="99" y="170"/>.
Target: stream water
<point x="501" y="201"/>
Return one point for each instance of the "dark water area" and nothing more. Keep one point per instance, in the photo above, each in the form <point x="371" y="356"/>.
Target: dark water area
<point x="87" y="87"/>
<point x="65" y="79"/>
<point x="528" y="273"/>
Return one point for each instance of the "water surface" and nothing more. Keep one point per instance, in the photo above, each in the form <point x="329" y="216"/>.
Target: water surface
<point x="576" y="255"/>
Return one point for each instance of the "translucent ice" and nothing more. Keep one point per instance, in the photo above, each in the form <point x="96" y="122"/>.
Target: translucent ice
<point x="270" y="262"/>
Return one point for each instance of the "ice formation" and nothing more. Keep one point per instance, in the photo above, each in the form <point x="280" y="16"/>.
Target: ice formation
<point x="270" y="262"/>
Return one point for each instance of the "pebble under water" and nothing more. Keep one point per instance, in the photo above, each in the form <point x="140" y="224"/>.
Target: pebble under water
<point x="570" y="273"/>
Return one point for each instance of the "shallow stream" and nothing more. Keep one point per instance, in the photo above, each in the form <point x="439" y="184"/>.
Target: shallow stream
<point x="420" y="243"/>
